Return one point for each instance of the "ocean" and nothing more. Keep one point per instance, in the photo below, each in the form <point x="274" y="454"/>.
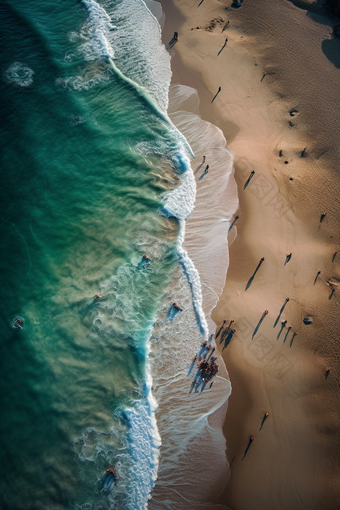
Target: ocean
<point x="96" y="174"/>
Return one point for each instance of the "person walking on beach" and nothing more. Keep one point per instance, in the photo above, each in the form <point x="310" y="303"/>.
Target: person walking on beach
<point x="226" y="26"/>
<point x="204" y="173"/>
<point x="233" y="223"/>
<point x="259" y="323"/>
<point x="288" y="257"/>
<point x="215" y="96"/>
<point x="246" y="450"/>
<point x="264" y="419"/>
<point x="280" y="312"/>
<point x="224" y="45"/>
<point x="317" y="276"/>
<point x="294" y="335"/>
<point x="252" y="173"/>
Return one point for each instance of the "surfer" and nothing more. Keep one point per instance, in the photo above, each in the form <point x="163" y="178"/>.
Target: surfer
<point x="145" y="261"/>
<point x="18" y="323"/>
<point x="111" y="478"/>
<point x="177" y="307"/>
<point x="112" y="471"/>
<point x="97" y="296"/>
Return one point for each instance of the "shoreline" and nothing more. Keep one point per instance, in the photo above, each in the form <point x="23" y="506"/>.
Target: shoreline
<point x="262" y="110"/>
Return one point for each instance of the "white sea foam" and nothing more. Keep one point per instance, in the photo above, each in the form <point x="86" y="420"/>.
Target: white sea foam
<point x="80" y="83"/>
<point x="180" y="202"/>
<point x="101" y="23"/>
<point x="145" y="442"/>
<point x="138" y="51"/>
<point x="187" y="423"/>
<point x="19" y="74"/>
<point x="207" y="228"/>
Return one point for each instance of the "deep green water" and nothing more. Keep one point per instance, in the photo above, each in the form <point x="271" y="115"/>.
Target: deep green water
<point x="82" y="173"/>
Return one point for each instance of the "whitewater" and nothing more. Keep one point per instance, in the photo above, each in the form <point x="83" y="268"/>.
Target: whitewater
<point x="162" y="432"/>
<point x="185" y="423"/>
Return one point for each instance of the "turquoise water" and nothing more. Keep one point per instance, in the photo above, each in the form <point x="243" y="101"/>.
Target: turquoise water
<point x="85" y="159"/>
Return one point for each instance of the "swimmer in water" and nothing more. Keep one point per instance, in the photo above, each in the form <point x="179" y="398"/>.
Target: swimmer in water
<point x="177" y="307"/>
<point x="18" y="323"/>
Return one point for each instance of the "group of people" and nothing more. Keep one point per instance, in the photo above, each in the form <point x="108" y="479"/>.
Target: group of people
<point x="207" y="367"/>
<point x="226" y="333"/>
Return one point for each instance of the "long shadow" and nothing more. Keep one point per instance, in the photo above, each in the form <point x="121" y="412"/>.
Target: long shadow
<point x="233" y="223"/>
<point x="206" y="171"/>
<point x="219" y="331"/>
<point x="317" y="276"/>
<point x="246" y="450"/>
<point x="173" y="312"/>
<point x="250" y="281"/>
<point x="259" y="324"/>
<point x="224" y="45"/>
<point x="200" y="165"/>
<point x="226" y="331"/>
<point x="285" y="338"/>
<point x="215" y="96"/>
<point x="280" y="312"/>
<point x="173" y="41"/>
<point x="225" y="26"/>
<point x="228" y="339"/>
<point x="263" y="420"/>
<point x="294" y="335"/>
<point x="252" y="173"/>
<point x="224" y="335"/>
<point x="283" y="323"/>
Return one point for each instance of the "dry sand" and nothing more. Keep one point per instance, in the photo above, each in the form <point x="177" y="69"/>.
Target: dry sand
<point x="293" y="461"/>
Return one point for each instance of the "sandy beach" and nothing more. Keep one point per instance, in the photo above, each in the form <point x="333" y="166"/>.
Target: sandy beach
<point x="278" y="67"/>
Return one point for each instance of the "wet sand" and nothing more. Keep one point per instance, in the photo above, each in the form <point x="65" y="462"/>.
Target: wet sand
<point x="279" y="73"/>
